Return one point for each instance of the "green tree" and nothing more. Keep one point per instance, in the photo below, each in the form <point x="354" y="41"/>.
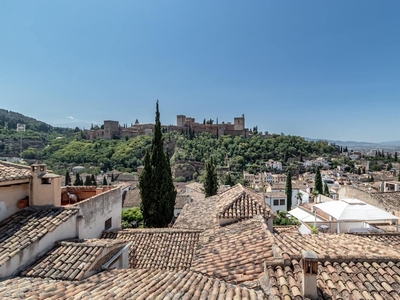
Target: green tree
<point x="389" y="166"/>
<point x="228" y="180"/>
<point x="105" y="181"/>
<point x="78" y="181"/>
<point x="93" y="179"/>
<point x="288" y="191"/>
<point x="395" y="156"/>
<point x="318" y="187"/>
<point x="112" y="177"/>
<point x="130" y="215"/>
<point x="285" y="220"/>
<point x="67" y="178"/>
<point x="155" y="182"/>
<point x="326" y="190"/>
<point x="299" y="196"/>
<point x="210" y="180"/>
<point x="398" y="177"/>
<point x="88" y="181"/>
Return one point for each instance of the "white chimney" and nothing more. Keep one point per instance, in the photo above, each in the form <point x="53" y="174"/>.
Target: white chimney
<point x="310" y="270"/>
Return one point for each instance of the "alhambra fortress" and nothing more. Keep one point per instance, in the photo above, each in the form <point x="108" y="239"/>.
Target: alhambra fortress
<point x="112" y="129"/>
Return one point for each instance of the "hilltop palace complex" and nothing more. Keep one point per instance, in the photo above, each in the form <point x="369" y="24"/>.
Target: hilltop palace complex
<point x="112" y="129"/>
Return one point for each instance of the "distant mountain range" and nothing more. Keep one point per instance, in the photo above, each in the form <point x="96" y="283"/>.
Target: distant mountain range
<point x="362" y="145"/>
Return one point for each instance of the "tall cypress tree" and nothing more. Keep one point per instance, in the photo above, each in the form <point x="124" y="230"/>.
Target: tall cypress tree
<point x="229" y="180"/>
<point x="67" y="179"/>
<point x="288" y="191"/>
<point x="93" y="179"/>
<point x="88" y="181"/>
<point x="78" y="181"/>
<point x="105" y="181"/>
<point x="326" y="190"/>
<point x="157" y="189"/>
<point x="210" y="179"/>
<point x="318" y="182"/>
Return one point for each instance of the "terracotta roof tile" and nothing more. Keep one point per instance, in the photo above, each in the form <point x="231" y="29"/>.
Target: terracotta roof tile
<point x="180" y="201"/>
<point x="132" y="198"/>
<point x="128" y="284"/>
<point x="72" y="260"/>
<point x="198" y="214"/>
<point x="10" y="171"/>
<point x="333" y="246"/>
<point x="351" y="279"/>
<point x="391" y="240"/>
<point x="161" y="248"/>
<point x="235" y="203"/>
<point x="29" y="225"/>
<point x="235" y="252"/>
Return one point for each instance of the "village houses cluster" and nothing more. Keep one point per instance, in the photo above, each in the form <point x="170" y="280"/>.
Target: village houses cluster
<point x="66" y="242"/>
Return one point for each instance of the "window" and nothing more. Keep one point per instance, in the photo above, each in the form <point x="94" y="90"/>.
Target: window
<point x="276" y="202"/>
<point x="282" y="201"/>
<point x="107" y="224"/>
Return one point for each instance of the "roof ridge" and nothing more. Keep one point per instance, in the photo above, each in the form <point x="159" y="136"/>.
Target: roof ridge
<point x="18" y="166"/>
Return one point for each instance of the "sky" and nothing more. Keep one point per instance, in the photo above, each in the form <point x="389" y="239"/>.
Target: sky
<point x="318" y="69"/>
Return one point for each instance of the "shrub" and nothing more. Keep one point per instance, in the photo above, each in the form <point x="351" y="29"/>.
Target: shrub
<point x="130" y="215"/>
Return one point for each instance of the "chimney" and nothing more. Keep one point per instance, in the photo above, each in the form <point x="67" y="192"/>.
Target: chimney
<point x="45" y="188"/>
<point x="310" y="270"/>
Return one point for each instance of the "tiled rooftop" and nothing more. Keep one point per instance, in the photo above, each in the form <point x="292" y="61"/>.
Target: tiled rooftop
<point x="28" y="226"/>
<point x="180" y="201"/>
<point x="235" y="252"/>
<point x="235" y="203"/>
<point x="10" y="171"/>
<point x="161" y="248"/>
<point x="332" y="246"/>
<point x="196" y="186"/>
<point x="290" y="229"/>
<point x="242" y="203"/>
<point x="391" y="240"/>
<point x="352" y="279"/>
<point x="132" y="198"/>
<point x="72" y="260"/>
<point x="275" y="195"/>
<point x="128" y="284"/>
<point x="198" y="214"/>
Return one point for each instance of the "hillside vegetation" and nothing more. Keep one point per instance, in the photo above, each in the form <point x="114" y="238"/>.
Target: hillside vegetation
<point x="37" y="133"/>
<point x="62" y="148"/>
<point x="127" y="154"/>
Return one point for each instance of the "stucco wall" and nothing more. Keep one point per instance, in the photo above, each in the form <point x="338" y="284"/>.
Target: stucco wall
<point x="31" y="253"/>
<point x="348" y="191"/>
<point x="9" y="197"/>
<point x="97" y="210"/>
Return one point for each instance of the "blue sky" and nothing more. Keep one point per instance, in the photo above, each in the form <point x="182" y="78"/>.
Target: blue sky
<point x="319" y="69"/>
